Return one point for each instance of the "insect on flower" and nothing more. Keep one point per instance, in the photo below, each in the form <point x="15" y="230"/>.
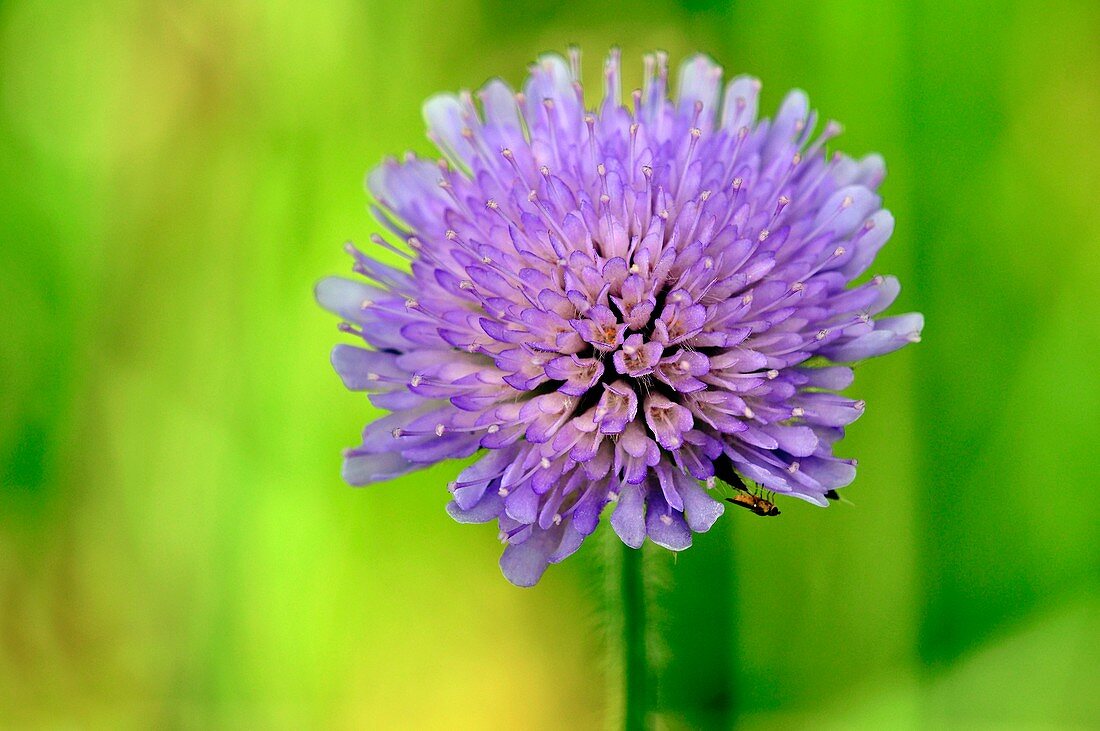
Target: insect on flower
<point x="614" y="302"/>
<point x="756" y="503"/>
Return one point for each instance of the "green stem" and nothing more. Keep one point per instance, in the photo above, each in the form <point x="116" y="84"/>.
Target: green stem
<point x="635" y="669"/>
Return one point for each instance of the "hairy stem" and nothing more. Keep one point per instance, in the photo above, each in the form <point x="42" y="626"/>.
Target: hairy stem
<point x="635" y="669"/>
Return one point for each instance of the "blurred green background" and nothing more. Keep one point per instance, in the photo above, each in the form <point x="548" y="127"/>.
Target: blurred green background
<point x="177" y="549"/>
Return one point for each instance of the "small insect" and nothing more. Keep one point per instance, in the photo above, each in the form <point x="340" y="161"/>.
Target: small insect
<point x="742" y="497"/>
<point x="756" y="503"/>
<point x="832" y="495"/>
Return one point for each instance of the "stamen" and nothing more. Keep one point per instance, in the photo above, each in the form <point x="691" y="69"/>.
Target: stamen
<point x="783" y="202"/>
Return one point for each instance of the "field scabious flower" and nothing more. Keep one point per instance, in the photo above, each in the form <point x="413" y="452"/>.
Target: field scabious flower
<point x="615" y="306"/>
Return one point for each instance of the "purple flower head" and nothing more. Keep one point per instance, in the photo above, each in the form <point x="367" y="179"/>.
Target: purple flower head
<point x="615" y="306"/>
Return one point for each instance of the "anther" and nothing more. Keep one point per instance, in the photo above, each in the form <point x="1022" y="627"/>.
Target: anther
<point x="772" y="374"/>
<point x="763" y="235"/>
<point x="695" y="132"/>
<point x="793" y="467"/>
<point x="493" y="429"/>
<point x="847" y="202"/>
<point x="451" y="234"/>
<point x="666" y="519"/>
<point x="859" y="405"/>
<point x="439" y="429"/>
<point x="544" y="463"/>
<point x="465" y="284"/>
<point x="749" y="413"/>
<point x="839" y="251"/>
<point x="798" y="412"/>
<point x="821" y="334"/>
<point x="503" y="492"/>
<point x="601" y="170"/>
<point x="397" y="432"/>
<point x="366" y="304"/>
<point x="491" y="204"/>
<point x="416" y="380"/>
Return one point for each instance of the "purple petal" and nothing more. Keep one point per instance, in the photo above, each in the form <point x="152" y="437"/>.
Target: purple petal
<point x="628" y="518"/>
<point x="524" y="563"/>
<point x="664" y="526"/>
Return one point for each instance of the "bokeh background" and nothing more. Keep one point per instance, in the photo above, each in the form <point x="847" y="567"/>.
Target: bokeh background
<point x="177" y="549"/>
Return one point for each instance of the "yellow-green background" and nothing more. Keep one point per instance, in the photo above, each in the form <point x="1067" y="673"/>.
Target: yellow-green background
<point x="177" y="549"/>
